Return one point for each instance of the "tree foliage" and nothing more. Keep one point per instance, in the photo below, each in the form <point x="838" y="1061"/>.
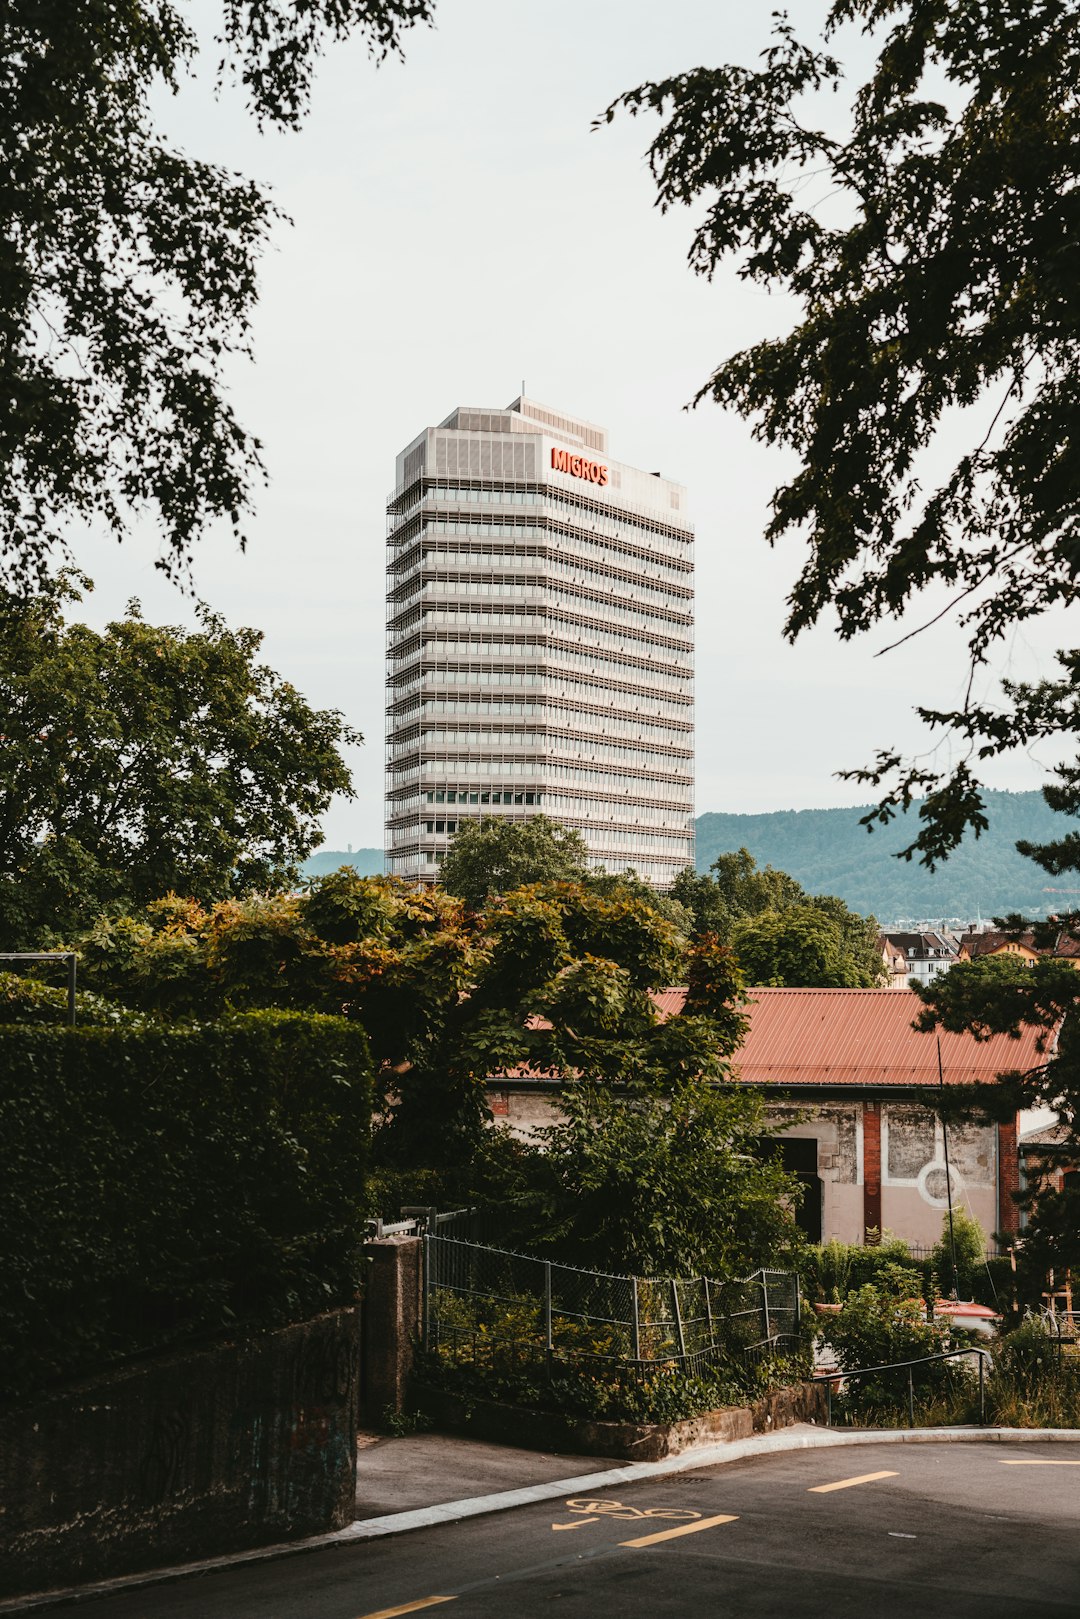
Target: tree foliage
<point x="780" y="934"/>
<point x="1000" y="995"/>
<point x="804" y="947"/>
<point x="145" y="758"/>
<point x="935" y="278"/>
<point x="128" y="274"/>
<point x="663" y="1185"/>
<point x="495" y="856"/>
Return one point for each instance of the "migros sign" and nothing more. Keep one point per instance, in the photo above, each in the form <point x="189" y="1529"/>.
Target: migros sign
<point x="578" y="467"/>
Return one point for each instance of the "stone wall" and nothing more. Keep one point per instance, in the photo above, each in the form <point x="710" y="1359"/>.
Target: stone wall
<point x="626" y="1441"/>
<point x="181" y="1457"/>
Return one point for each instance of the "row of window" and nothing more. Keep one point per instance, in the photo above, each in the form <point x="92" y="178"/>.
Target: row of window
<point x="549" y="741"/>
<point x="675" y="791"/>
<point x="438" y="655"/>
<point x="581" y="598"/>
<point x="548" y="646"/>
<point x="546" y="537"/>
<point x="547" y="495"/>
<point x="571" y="560"/>
<point x="553" y="578"/>
<point x="545" y="619"/>
<point x="601" y="719"/>
<point x="606" y="671"/>
<point x="465" y="636"/>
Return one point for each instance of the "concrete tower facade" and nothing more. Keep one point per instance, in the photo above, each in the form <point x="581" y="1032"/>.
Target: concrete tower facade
<point x="539" y="642"/>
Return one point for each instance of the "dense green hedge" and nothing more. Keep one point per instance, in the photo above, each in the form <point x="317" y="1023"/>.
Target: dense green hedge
<point x="159" y="1184"/>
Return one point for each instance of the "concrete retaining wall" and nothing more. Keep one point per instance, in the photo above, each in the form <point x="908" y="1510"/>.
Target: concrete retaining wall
<point x="637" y="1442"/>
<point x="181" y="1457"/>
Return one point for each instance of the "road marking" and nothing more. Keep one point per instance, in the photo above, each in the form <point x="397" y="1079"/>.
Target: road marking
<point x="683" y="1529"/>
<point x="575" y="1525"/>
<point x="898" y="1534"/>
<point x="407" y="1607"/>
<point x="1035" y="1461"/>
<point x="848" y="1483"/>
<point x="615" y="1509"/>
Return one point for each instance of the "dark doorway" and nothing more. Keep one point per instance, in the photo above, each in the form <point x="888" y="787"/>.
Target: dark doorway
<point x="799" y="1156"/>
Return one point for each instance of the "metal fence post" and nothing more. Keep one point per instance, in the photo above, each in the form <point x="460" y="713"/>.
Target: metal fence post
<point x="426" y="1283"/>
<point x="549" y="1344"/>
<point x="911" y="1395"/>
<point x="635" y="1320"/>
<point x="765" y="1303"/>
<point x="982" y="1391"/>
<point x="71" y="967"/>
<point x="678" y="1318"/>
<point x="708" y="1308"/>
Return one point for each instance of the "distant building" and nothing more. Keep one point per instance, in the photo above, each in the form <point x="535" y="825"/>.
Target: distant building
<point x="894" y="962"/>
<point x="539" y="642"/>
<point x="925" y="955"/>
<point x="852" y="1085"/>
<point x="1000" y="942"/>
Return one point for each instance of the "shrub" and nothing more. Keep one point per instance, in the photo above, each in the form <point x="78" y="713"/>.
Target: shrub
<point x="880" y="1324"/>
<point x="158" y="1184"/>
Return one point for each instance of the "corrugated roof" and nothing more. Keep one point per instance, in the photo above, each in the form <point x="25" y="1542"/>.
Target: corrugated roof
<point x="848" y="1037"/>
<point x="864" y="1037"/>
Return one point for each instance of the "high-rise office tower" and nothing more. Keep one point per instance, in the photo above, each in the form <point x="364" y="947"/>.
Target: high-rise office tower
<point x="539" y="642"/>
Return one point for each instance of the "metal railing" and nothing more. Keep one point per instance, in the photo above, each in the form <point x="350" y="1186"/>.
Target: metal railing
<point x="832" y="1378"/>
<point x="505" y="1312"/>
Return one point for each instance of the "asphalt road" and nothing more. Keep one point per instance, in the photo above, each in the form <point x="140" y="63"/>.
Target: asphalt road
<point x="984" y="1530"/>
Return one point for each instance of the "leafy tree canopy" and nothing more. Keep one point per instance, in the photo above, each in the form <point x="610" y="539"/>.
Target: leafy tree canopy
<point x="551" y="977"/>
<point x="495" y="856"/>
<point x="667" y="1185"/>
<point x="144" y="758"/>
<point x="781" y="934"/>
<point x="999" y="995"/>
<point x="931" y="250"/>
<point x="803" y="947"/>
<point x="129" y="270"/>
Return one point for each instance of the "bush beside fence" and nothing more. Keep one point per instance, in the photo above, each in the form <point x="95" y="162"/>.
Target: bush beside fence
<point x="529" y="1330"/>
<point x="166" y="1184"/>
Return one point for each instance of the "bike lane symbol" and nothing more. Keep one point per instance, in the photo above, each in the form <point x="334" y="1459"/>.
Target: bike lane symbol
<point x="593" y="1510"/>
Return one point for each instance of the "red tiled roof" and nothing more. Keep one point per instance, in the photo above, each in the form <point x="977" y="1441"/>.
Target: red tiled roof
<point x="864" y="1037"/>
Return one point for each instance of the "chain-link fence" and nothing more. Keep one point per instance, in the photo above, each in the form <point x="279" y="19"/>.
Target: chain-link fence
<point x="504" y="1312"/>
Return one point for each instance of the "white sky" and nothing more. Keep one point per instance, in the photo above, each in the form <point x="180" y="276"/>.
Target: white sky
<point x="458" y="228"/>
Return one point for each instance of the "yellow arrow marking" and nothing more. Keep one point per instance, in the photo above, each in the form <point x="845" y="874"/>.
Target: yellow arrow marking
<point x="848" y="1483"/>
<point x="683" y="1529"/>
<point x="575" y="1525"/>
<point x="1035" y="1461"/>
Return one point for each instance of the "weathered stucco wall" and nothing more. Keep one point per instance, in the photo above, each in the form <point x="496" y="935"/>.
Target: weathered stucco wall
<point x="182" y="1457"/>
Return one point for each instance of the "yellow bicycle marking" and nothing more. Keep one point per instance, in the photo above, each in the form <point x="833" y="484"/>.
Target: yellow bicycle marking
<point x="615" y="1509"/>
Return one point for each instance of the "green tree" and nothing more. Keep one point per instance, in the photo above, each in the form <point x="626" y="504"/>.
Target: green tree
<point x="801" y="948"/>
<point x="1000" y="995"/>
<point x="129" y="271"/>
<point x="736" y="887"/>
<point x="929" y="250"/>
<point x="146" y="758"/>
<point x="495" y="856"/>
<point x="667" y="1185"/>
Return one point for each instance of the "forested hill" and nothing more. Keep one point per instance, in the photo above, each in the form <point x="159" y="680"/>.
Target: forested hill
<point x="368" y="862"/>
<point x="830" y="853"/>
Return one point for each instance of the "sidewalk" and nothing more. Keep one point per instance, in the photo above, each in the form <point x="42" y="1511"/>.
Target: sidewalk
<point x="429" y="1469"/>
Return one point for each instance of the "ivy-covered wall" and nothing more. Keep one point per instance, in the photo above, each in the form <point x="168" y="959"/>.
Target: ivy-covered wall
<point x="162" y="1185"/>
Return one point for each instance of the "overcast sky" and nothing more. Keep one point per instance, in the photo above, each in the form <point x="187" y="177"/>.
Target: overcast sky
<point x="457" y="229"/>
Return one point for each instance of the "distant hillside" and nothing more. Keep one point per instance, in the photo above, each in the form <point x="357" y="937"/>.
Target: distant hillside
<point x="368" y="862"/>
<point x="830" y="853"/>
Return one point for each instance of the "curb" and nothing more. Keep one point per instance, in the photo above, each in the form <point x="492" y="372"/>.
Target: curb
<point x="799" y="1437"/>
